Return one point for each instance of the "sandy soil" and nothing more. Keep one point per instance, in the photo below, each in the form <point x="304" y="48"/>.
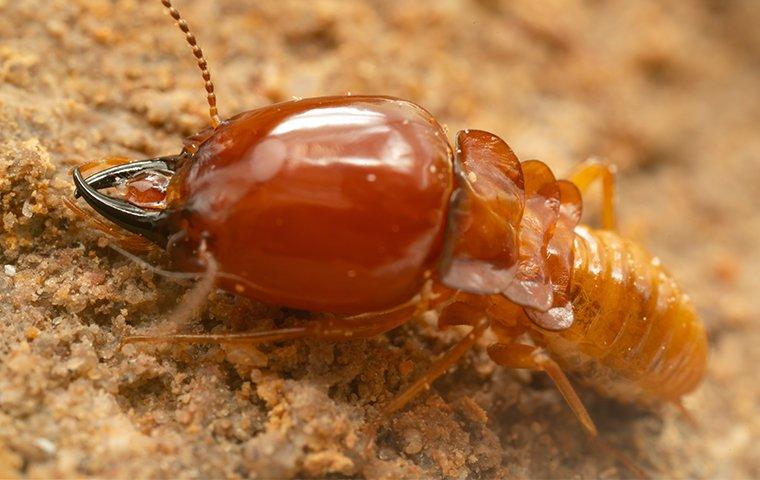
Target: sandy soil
<point x="670" y="94"/>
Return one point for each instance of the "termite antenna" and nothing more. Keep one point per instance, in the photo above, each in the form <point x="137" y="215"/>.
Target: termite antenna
<point x="202" y="64"/>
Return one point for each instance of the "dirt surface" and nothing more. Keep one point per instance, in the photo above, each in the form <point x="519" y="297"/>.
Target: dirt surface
<point x="669" y="94"/>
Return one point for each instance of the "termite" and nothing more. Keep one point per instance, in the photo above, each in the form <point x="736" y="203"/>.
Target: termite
<point x="359" y="206"/>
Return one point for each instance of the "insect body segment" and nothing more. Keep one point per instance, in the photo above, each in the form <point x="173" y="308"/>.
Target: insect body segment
<point x="636" y="336"/>
<point x="332" y="204"/>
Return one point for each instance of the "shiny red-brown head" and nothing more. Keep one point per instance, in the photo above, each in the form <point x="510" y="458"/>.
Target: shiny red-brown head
<point x="333" y="203"/>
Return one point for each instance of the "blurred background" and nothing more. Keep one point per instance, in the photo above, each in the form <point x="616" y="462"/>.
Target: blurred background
<point x="668" y="92"/>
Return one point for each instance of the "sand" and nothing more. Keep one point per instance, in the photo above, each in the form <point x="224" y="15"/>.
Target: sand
<point x="668" y="93"/>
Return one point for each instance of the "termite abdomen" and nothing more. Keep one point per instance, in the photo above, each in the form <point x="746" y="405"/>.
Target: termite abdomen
<point x="636" y="336"/>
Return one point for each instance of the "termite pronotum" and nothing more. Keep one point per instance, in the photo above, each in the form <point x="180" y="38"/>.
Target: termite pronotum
<point x="359" y="206"/>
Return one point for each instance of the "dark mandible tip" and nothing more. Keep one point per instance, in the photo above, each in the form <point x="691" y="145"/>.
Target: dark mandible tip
<point x="111" y="176"/>
<point x="146" y="223"/>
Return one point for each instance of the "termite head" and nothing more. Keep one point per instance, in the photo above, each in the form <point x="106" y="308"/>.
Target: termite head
<point x="139" y="191"/>
<point x="137" y="195"/>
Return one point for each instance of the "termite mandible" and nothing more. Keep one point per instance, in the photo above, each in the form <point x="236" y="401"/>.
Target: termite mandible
<point x="358" y="206"/>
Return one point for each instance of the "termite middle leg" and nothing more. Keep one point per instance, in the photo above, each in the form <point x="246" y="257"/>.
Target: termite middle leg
<point x="590" y="171"/>
<point x="438" y="368"/>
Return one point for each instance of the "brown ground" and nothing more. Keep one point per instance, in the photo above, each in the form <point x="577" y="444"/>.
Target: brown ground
<point x="670" y="94"/>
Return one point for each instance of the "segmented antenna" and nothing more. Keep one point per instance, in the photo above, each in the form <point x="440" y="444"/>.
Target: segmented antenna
<point x="202" y="64"/>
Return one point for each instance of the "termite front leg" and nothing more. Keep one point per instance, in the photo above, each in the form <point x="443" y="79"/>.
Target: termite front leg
<point x="593" y="170"/>
<point x="327" y="329"/>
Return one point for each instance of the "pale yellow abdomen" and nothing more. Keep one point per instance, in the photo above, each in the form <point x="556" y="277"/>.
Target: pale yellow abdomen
<point x="636" y="336"/>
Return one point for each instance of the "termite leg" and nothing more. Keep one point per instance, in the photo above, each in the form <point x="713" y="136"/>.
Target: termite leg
<point x="438" y="368"/>
<point x="686" y="413"/>
<point x="534" y="358"/>
<point x="326" y="330"/>
<point x="590" y="171"/>
<point x="330" y="329"/>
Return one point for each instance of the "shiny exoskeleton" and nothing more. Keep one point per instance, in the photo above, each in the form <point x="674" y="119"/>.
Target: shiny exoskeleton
<point x="359" y="206"/>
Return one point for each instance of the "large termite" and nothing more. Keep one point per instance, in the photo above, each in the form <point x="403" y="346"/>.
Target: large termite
<point x="358" y="206"/>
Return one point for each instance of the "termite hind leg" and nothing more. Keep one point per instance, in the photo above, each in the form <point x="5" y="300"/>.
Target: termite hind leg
<point x="534" y="358"/>
<point x="686" y="413"/>
<point x="585" y="174"/>
<point x="438" y="368"/>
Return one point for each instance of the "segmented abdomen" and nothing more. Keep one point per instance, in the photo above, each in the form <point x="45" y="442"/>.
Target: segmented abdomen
<point x="636" y="336"/>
